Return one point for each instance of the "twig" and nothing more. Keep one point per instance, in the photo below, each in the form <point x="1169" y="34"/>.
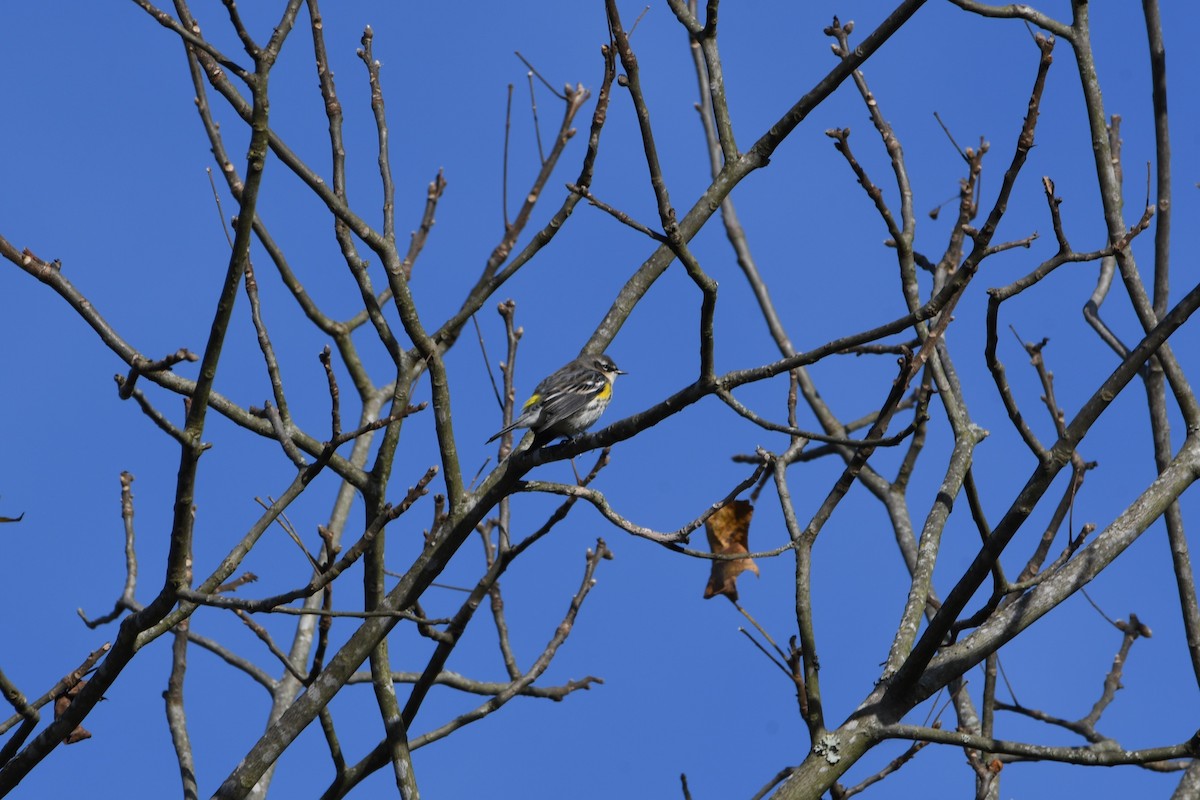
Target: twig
<point x="266" y="639"/>
<point x="770" y="656"/>
<point x="378" y="757"/>
<point x="58" y="689"/>
<point x="778" y="778"/>
<point x="537" y="130"/>
<point x="1091" y="756"/>
<point x="454" y="680"/>
<point x="504" y="168"/>
<point x="616" y="214"/>
<point x="545" y="82"/>
<point x="893" y="765"/>
<point x="601" y="504"/>
<point x="950" y="136"/>
<point x="157" y="417"/>
<point x="539" y="665"/>
<point x="367" y="54"/>
<point x="176" y="717"/>
<point x="326" y="576"/>
<point x="290" y="530"/>
<point x="888" y="441"/>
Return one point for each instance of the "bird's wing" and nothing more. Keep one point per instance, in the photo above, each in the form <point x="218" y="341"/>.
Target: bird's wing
<point x="570" y="399"/>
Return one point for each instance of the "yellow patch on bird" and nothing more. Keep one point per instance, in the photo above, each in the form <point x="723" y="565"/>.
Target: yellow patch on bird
<point x="531" y="401"/>
<point x="605" y="392"/>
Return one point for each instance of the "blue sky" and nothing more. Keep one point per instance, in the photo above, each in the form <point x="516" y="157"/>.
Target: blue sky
<point x="104" y="168"/>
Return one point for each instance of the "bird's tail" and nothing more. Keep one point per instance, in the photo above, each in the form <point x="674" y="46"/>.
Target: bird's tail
<point x="501" y="432"/>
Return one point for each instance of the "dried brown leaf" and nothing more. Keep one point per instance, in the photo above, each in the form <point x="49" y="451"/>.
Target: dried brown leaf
<point x="61" y="704"/>
<point x="729" y="534"/>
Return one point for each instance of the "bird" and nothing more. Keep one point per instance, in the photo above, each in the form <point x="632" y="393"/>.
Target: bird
<point x="569" y="400"/>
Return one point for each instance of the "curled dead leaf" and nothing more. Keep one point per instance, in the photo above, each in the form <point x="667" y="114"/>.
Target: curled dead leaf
<point x="729" y="534"/>
<point x="61" y="704"/>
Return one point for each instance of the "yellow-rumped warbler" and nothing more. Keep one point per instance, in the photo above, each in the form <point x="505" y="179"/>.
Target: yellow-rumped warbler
<point x="569" y="400"/>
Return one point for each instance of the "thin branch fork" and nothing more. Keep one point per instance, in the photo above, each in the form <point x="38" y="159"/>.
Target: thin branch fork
<point x="997" y="296"/>
<point x="841" y="142"/>
<point x="356" y="265"/>
<point x="454" y="680"/>
<point x="615" y="213"/>
<point x="841" y="441"/>
<point x="1086" y="725"/>
<point x="539" y="666"/>
<point x="1043" y="475"/>
<point x="892" y="766"/>
<point x="494" y="278"/>
<point x="50" y="273"/>
<point x="1107" y="167"/>
<point x="1090" y="756"/>
<point x="496" y="567"/>
<point x="193" y="38"/>
<point x="329" y="574"/>
<point x="982" y="238"/>
<point x="575" y="99"/>
<point x="378" y="757"/>
<point x="234" y="558"/>
<point x="140" y="367"/>
<point x="597" y="499"/>
<point x="57" y="690"/>
<point x="126" y="601"/>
